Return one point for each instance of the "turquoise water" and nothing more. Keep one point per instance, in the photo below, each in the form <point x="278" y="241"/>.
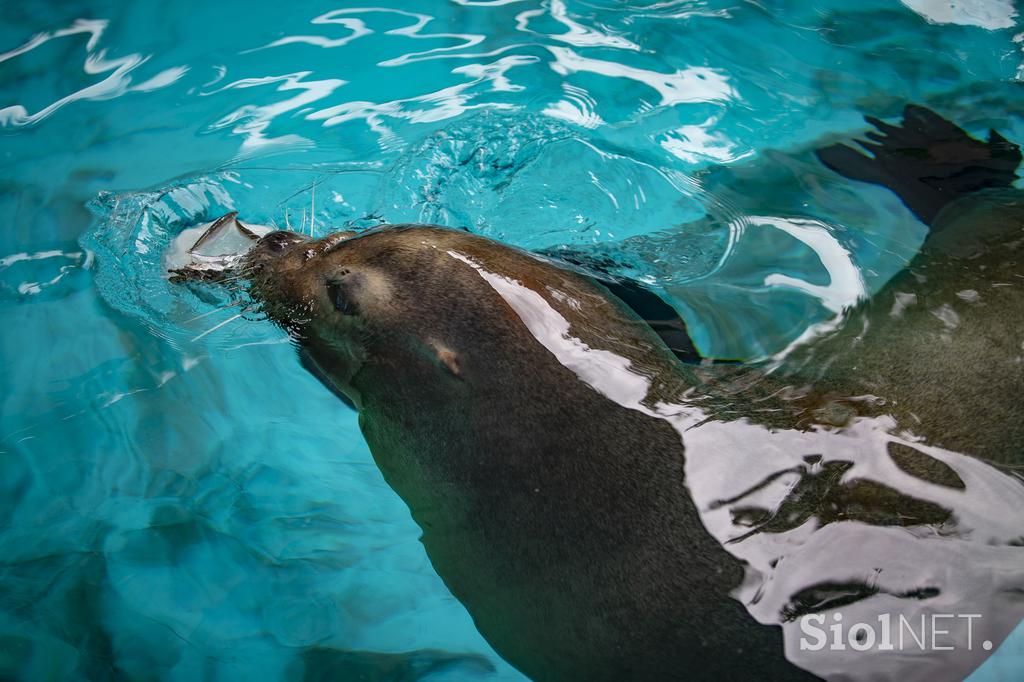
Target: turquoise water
<point x="181" y="500"/>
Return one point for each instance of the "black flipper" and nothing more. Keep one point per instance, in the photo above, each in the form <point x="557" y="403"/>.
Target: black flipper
<point x="311" y="366"/>
<point x="927" y="161"/>
<point x="660" y="316"/>
<point x="651" y="308"/>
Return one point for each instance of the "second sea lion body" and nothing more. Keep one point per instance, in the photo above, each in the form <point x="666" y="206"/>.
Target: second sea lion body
<point x="943" y="343"/>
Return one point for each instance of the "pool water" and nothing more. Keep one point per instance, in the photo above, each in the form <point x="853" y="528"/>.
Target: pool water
<point x="179" y="499"/>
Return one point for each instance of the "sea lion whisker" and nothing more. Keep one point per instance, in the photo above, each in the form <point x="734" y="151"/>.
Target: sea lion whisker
<point x="233" y="278"/>
<point x="215" y="310"/>
<point x="216" y="327"/>
<point x="239" y="274"/>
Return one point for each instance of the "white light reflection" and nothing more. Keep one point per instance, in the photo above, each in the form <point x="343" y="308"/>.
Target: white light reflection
<point x="252" y="121"/>
<point x="358" y="29"/>
<point x="578" y="34"/>
<point x="685" y="86"/>
<point x="96" y="63"/>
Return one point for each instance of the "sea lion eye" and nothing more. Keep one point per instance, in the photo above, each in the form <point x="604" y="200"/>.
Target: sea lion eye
<point x="338" y="292"/>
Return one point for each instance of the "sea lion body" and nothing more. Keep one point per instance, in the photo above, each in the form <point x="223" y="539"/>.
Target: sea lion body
<point x="521" y="434"/>
<point x="942" y="344"/>
<point x="945" y="337"/>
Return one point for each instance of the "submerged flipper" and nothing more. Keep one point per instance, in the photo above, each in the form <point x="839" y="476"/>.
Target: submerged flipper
<point x="649" y="306"/>
<point x="659" y="315"/>
<point x="311" y="366"/>
<point x="927" y="161"/>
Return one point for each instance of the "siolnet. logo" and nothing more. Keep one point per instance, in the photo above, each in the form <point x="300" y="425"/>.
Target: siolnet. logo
<point x="932" y="632"/>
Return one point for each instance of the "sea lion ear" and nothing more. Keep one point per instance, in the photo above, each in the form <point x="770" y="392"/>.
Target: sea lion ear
<point x="446" y="357"/>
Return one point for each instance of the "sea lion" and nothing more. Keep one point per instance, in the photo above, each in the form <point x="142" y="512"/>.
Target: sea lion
<point x="510" y="401"/>
<point x="593" y="500"/>
<point x="943" y="342"/>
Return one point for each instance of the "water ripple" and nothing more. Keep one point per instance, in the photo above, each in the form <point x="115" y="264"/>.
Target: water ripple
<point x="96" y="63"/>
<point x="684" y="86"/>
<point x="359" y="29"/>
<point x="252" y="121"/>
<point x="577" y="35"/>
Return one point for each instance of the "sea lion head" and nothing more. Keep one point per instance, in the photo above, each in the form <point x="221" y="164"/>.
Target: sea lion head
<point x="341" y="297"/>
<point x="395" y="294"/>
